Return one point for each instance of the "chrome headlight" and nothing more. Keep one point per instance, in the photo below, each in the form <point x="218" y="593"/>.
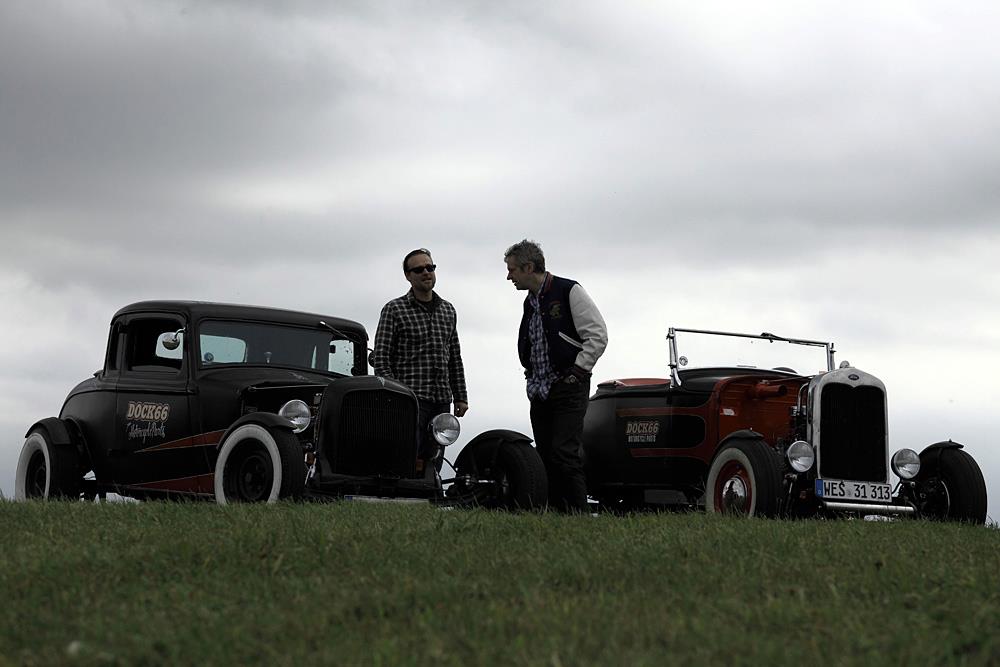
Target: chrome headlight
<point x="906" y="463"/>
<point x="801" y="455"/>
<point x="445" y="428"/>
<point x="297" y="412"/>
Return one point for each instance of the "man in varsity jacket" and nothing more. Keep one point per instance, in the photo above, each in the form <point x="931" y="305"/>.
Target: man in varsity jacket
<point x="562" y="335"/>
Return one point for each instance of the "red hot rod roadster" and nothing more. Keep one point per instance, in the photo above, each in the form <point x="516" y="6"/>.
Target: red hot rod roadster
<point x="767" y="440"/>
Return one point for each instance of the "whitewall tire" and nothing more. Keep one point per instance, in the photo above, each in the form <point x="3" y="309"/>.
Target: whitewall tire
<point x="258" y="464"/>
<point x="46" y="471"/>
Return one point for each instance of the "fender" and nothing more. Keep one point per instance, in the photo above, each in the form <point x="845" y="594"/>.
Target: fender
<point x="742" y="434"/>
<point x="930" y="457"/>
<point x="268" y="419"/>
<point x="488" y="443"/>
<point x="55" y="430"/>
<point x="65" y="433"/>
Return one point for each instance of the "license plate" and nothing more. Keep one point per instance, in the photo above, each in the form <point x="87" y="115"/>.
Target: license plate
<point x="838" y="489"/>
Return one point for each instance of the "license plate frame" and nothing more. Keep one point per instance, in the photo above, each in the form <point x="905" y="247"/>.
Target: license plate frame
<point x="852" y="490"/>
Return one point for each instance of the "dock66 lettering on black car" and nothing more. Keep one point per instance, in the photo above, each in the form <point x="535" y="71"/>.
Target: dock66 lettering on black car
<point x="735" y="429"/>
<point x="156" y="412"/>
<point x="641" y="432"/>
<point x="248" y="404"/>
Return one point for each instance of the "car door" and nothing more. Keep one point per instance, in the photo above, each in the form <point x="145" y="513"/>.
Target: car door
<point x="152" y="449"/>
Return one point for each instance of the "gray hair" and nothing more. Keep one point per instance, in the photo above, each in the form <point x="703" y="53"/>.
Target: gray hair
<point x="527" y="251"/>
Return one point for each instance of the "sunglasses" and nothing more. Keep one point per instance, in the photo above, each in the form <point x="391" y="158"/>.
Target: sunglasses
<point x="420" y="269"/>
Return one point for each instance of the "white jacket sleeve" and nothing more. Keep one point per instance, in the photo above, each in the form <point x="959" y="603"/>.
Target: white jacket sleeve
<point x="590" y="327"/>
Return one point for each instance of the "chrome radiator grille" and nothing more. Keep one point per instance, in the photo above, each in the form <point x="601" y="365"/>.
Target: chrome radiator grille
<point x="376" y="434"/>
<point x="853" y="435"/>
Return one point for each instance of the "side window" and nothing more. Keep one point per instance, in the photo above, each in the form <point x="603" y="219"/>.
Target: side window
<point x="341" y="359"/>
<point x="144" y="348"/>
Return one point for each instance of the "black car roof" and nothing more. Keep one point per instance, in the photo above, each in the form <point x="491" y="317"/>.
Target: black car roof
<point x="199" y="310"/>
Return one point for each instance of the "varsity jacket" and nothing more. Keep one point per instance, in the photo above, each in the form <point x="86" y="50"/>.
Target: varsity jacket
<point x="574" y="328"/>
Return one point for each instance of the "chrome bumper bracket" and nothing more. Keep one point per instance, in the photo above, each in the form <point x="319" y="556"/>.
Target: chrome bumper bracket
<point x="868" y="508"/>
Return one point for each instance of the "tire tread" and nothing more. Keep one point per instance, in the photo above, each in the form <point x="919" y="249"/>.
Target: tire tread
<point x="766" y="464"/>
<point x="967" y="487"/>
<point x="293" y="465"/>
<point x="526" y="468"/>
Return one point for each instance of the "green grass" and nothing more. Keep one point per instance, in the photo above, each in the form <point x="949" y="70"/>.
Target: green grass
<point x="352" y="583"/>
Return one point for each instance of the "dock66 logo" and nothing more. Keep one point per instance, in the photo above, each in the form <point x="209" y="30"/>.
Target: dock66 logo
<point x="641" y="431"/>
<point x="146" y="420"/>
<point x="152" y="412"/>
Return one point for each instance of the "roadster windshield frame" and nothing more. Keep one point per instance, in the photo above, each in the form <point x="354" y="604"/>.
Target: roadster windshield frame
<point x="675" y="358"/>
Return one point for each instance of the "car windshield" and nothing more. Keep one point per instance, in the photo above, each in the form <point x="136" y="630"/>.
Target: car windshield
<point x="231" y="343"/>
<point x="704" y="349"/>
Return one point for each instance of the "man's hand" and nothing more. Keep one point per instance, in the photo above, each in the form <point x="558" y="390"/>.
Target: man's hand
<point x="461" y="408"/>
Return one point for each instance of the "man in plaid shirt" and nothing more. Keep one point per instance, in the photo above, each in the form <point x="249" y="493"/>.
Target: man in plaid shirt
<point x="416" y="343"/>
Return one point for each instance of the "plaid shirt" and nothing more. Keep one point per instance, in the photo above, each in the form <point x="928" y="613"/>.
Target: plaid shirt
<point x="544" y="375"/>
<point x="417" y="344"/>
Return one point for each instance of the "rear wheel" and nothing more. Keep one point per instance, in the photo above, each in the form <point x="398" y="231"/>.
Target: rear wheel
<point x="745" y="480"/>
<point x="257" y="464"/>
<point x="45" y="470"/>
<point x="950" y="486"/>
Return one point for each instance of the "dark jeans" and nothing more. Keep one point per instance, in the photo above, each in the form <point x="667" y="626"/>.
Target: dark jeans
<point x="428" y="445"/>
<point x="557" y="423"/>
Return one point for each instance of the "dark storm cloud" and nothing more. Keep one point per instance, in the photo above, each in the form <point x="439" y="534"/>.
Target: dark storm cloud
<point x="226" y="151"/>
<point x="199" y="141"/>
<point x="166" y="100"/>
<point x="587" y="117"/>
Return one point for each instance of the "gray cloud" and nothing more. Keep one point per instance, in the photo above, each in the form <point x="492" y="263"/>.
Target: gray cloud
<point x="823" y="119"/>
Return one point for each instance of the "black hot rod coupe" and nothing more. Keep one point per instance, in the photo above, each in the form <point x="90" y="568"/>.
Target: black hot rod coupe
<point x="243" y="403"/>
<point x="755" y="440"/>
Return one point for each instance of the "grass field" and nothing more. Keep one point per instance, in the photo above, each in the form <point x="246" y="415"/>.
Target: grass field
<point x="354" y="583"/>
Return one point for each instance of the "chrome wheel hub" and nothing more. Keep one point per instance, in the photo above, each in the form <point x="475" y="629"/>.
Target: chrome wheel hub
<point x="734" y="495"/>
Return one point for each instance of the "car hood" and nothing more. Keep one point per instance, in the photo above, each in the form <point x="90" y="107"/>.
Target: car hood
<point x="244" y="377"/>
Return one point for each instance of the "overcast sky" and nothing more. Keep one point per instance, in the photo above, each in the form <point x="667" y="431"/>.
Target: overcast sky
<point x="823" y="170"/>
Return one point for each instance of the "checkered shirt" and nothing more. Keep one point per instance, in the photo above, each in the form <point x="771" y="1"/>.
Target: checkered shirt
<point x="543" y="375"/>
<point x="418" y="346"/>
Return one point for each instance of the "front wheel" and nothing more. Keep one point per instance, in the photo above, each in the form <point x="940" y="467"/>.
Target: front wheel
<point x="257" y="464"/>
<point x="744" y="479"/>
<point x="950" y="486"/>
<point x="45" y="470"/>
<point x="508" y="475"/>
